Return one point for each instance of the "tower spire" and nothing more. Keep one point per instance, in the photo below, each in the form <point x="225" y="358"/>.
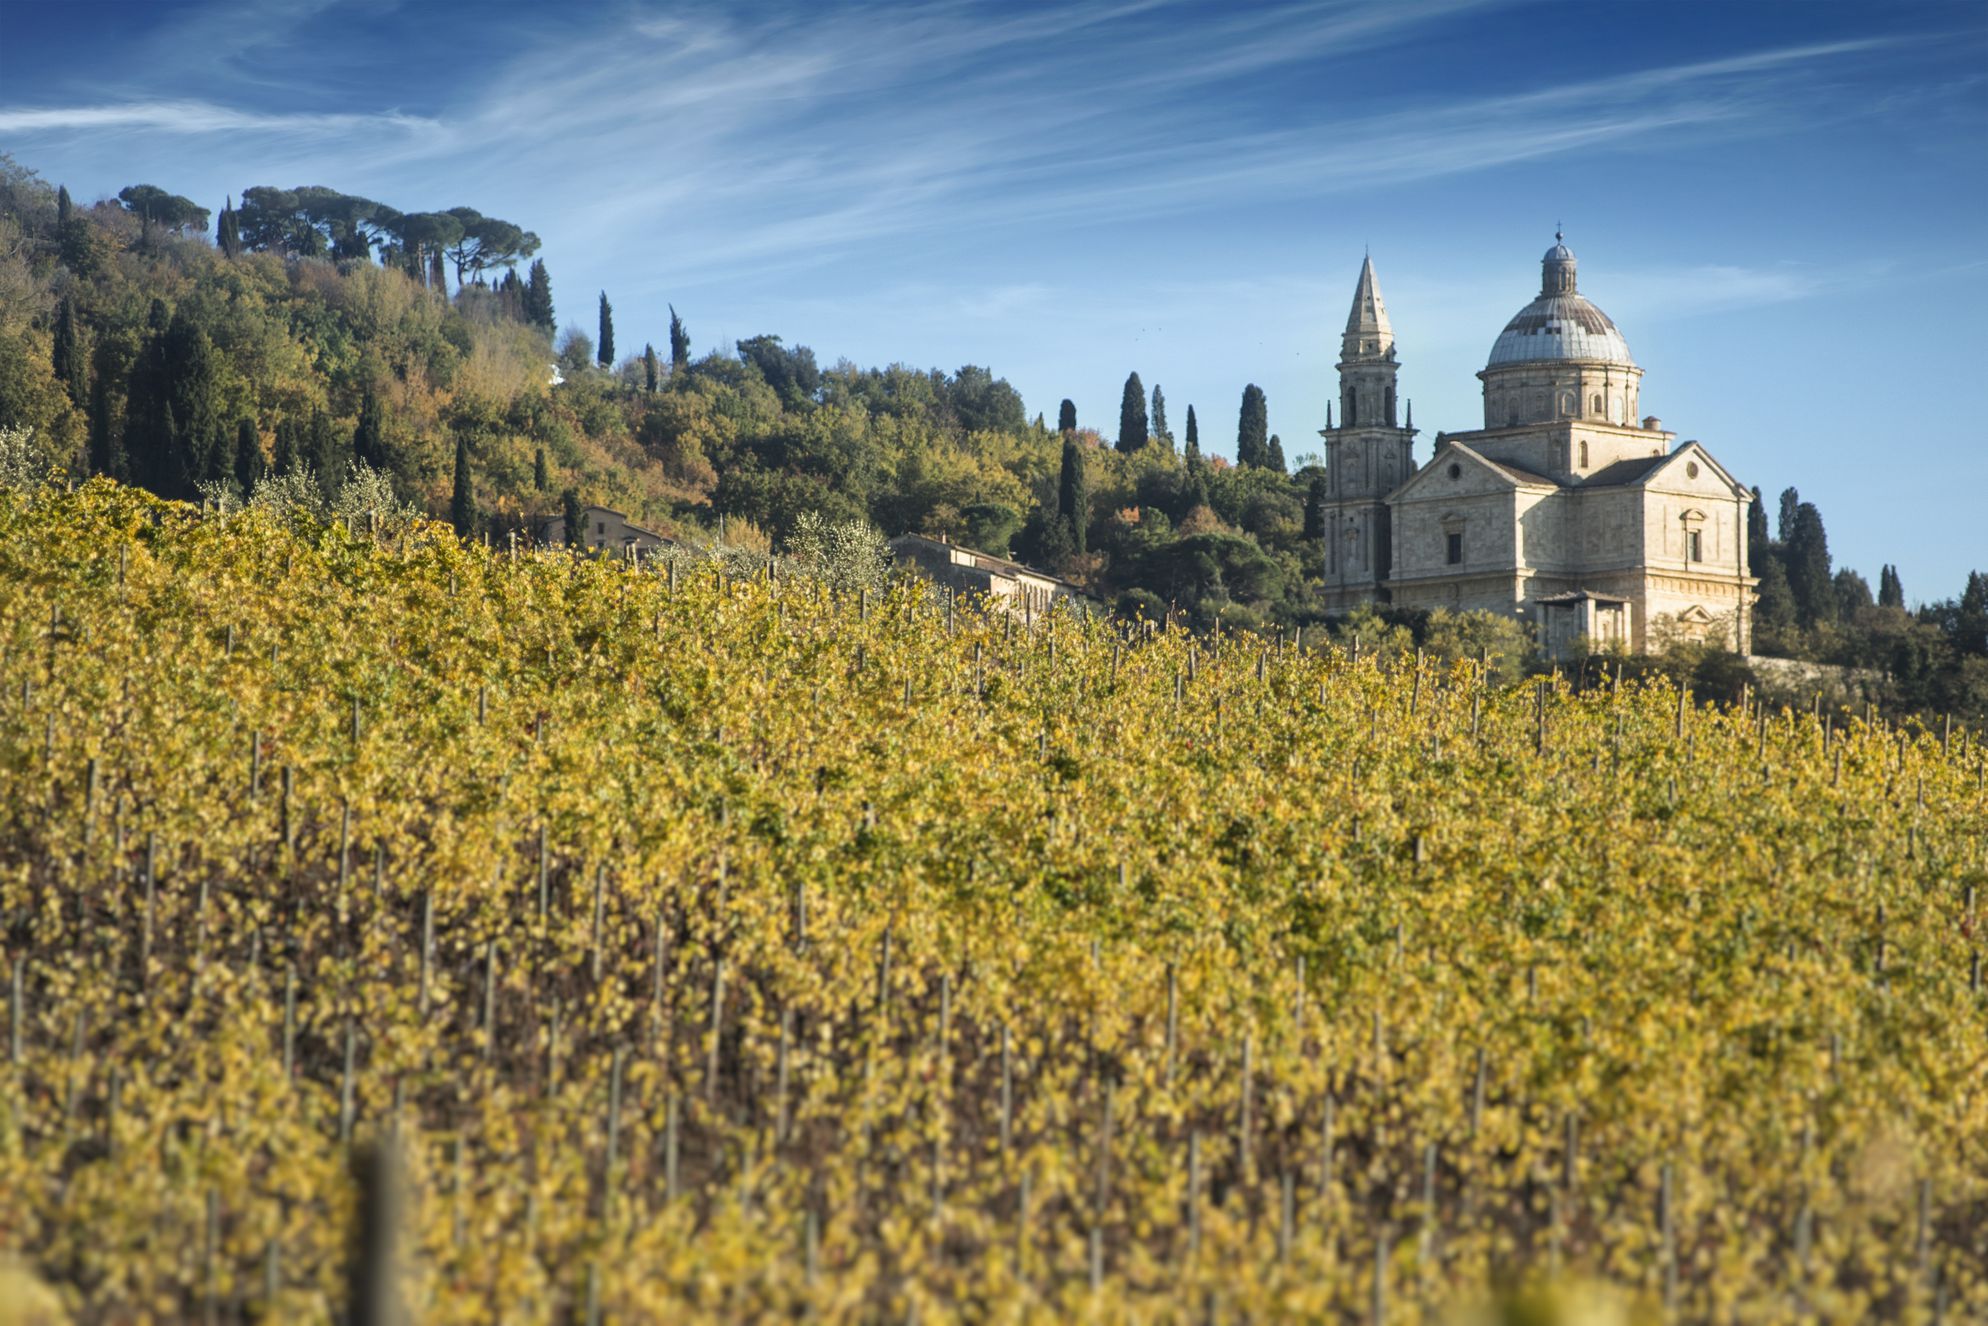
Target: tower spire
<point x="1367" y="324"/>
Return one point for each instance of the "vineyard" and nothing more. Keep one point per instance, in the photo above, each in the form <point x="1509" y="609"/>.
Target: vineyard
<point x="714" y="948"/>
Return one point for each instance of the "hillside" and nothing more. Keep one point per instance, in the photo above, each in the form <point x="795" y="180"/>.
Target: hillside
<point x="916" y="963"/>
<point x="324" y="331"/>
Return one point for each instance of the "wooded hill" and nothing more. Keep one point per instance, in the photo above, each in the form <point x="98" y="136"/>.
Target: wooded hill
<point x="317" y="330"/>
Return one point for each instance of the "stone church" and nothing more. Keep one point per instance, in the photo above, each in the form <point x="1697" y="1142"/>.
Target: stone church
<point x="1563" y="510"/>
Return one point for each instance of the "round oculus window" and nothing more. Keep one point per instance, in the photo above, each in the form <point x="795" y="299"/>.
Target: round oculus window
<point x="1456" y="470"/>
<point x="1691" y="469"/>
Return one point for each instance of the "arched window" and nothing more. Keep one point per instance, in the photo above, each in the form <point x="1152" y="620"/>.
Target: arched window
<point x="1390" y="407"/>
<point x="1584" y="454"/>
<point x="1346" y="408"/>
<point x="1597" y="407"/>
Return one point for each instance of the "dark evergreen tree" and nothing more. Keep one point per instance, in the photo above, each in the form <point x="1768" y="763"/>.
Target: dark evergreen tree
<point x="575" y="518"/>
<point x="1253" y="428"/>
<point x="68" y="351"/>
<point x="369" y="439"/>
<point x="1194" y="485"/>
<point x="511" y="296"/>
<point x="1066" y="416"/>
<point x="1073" y="493"/>
<point x="1132" y="433"/>
<point x="1853" y="595"/>
<point x="1970" y="618"/>
<point x="652" y="371"/>
<point x="1807" y="555"/>
<point x="248" y="456"/>
<point x="1315" y="495"/>
<point x="538" y="297"/>
<point x="228" y="231"/>
<point x="289" y="451"/>
<point x="679" y="343"/>
<point x="1784" y="529"/>
<point x="1758" y="548"/>
<point x="193" y="433"/>
<point x="438" y="274"/>
<point x="77" y="240"/>
<point x="1193" y="448"/>
<point x="462" y="502"/>
<point x="540" y="480"/>
<point x="1774" y="612"/>
<point x="604" y="346"/>
<point x="112" y="365"/>
<point x="328" y="456"/>
<point x="1891" y="591"/>
<point x="1274" y="454"/>
<point x="1160" y="429"/>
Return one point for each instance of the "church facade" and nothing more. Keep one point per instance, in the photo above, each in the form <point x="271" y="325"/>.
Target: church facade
<point x="1564" y="510"/>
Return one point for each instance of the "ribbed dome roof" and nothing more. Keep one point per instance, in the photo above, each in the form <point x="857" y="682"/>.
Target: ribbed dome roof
<point x="1561" y="324"/>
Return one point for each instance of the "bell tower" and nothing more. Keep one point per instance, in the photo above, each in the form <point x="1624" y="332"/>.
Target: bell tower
<point x="1367" y="455"/>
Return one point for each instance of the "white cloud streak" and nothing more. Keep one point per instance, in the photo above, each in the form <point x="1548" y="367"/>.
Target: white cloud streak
<point x="199" y="117"/>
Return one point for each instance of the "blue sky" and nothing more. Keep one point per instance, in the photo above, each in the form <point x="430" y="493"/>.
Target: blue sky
<point x="1781" y="204"/>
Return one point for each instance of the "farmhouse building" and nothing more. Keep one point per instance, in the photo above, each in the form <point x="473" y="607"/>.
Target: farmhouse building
<point x="1563" y="510"/>
<point x="1020" y="589"/>
<point x="605" y="530"/>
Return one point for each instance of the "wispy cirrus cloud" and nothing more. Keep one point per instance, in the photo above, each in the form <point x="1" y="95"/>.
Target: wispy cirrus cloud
<point x="200" y="117"/>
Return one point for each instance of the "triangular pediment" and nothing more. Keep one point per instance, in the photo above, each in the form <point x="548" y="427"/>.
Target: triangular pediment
<point x="1435" y="478"/>
<point x="1676" y="465"/>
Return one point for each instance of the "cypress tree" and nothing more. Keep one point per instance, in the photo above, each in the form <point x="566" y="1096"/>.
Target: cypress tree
<point x="1757" y="542"/>
<point x="539" y="479"/>
<point x="228" y="230"/>
<point x="1891" y="591"/>
<point x="1066" y="416"/>
<point x="604" y="353"/>
<point x="1194" y="488"/>
<point x="369" y="439"/>
<point x="147" y="441"/>
<point x="106" y="442"/>
<point x="576" y="518"/>
<point x="329" y="459"/>
<point x="64" y="207"/>
<point x="1970" y="620"/>
<point x="538" y="296"/>
<point x="1253" y="428"/>
<point x="1807" y="554"/>
<point x="438" y="274"/>
<point x="193" y="429"/>
<point x="462" y="504"/>
<point x="68" y="352"/>
<point x="288" y="452"/>
<point x="1132" y="432"/>
<point x="1315" y="494"/>
<point x="1160" y="429"/>
<point x="248" y="456"/>
<point x="1274" y="456"/>
<point x="679" y="343"/>
<point x="1193" y="449"/>
<point x="652" y="371"/>
<point x="1073" y="493"/>
<point x="1774" y="612"/>
<point x="1790" y="502"/>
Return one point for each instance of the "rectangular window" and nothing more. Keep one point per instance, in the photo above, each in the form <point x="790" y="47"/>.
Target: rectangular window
<point x="600" y="527"/>
<point x="1694" y="547"/>
<point x="1456" y="548"/>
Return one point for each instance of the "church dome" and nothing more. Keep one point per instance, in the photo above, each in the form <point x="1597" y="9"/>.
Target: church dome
<point x="1561" y="324"/>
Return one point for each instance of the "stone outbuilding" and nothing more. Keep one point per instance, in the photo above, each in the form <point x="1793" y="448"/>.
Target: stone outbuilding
<point x="1021" y="589"/>
<point x="605" y="530"/>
